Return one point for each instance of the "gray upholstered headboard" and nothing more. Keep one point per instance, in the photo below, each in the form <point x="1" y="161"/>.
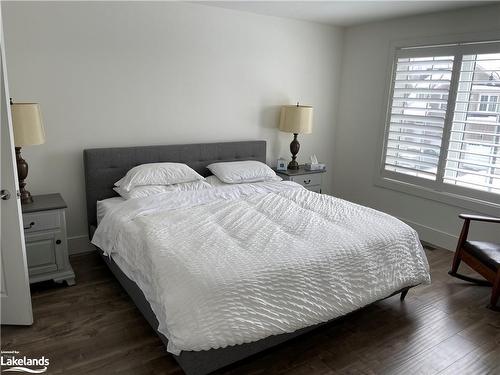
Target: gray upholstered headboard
<point x="105" y="166"/>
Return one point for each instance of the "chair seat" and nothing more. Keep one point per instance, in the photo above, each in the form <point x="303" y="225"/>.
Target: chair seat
<point x="487" y="253"/>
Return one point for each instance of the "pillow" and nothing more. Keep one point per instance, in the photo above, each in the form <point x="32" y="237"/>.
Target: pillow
<point x="215" y="182"/>
<point x="157" y="174"/>
<point x="147" y="190"/>
<point x="236" y="172"/>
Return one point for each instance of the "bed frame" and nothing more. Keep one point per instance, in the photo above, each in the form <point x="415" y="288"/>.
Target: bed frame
<point x="104" y="166"/>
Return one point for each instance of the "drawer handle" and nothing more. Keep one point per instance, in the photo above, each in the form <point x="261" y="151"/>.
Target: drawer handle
<point x="307" y="182"/>
<point x="58" y="242"/>
<point x="30" y="226"/>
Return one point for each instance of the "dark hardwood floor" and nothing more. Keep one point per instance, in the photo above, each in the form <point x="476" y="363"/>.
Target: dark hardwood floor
<point x="94" y="328"/>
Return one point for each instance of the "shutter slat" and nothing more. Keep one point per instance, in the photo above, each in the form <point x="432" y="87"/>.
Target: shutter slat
<point x="489" y="175"/>
<point x="420" y="145"/>
<point x="419" y="81"/>
<point x="473" y="122"/>
<point x="420" y="91"/>
<point x="476" y="112"/>
<point x="475" y="153"/>
<point x="410" y="171"/>
<point x="473" y="142"/>
<point x="419" y="109"/>
<point x="414" y="135"/>
<point x="416" y="126"/>
<point x="480" y="71"/>
<point x="425" y="63"/>
<point x="429" y="119"/>
<point x="403" y="151"/>
<point x="476" y="163"/>
<point x="472" y="132"/>
<point x="410" y="125"/>
<point x="469" y="102"/>
<point x="477" y="81"/>
<point x="397" y="159"/>
<point x="423" y="72"/>
<point x="420" y="100"/>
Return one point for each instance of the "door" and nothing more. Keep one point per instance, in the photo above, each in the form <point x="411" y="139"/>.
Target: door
<point x="14" y="287"/>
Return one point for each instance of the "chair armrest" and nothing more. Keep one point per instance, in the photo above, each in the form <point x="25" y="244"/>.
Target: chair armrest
<point x="488" y="219"/>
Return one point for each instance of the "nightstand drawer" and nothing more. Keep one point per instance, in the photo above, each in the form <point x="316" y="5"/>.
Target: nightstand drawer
<point x="307" y="179"/>
<point x="41" y="253"/>
<point x="311" y="180"/>
<point x="47" y="220"/>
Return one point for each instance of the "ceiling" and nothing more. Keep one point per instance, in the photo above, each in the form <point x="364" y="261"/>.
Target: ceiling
<point x="342" y="13"/>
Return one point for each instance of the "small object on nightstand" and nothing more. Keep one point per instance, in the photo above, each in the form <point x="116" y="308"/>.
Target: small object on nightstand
<point x="46" y="239"/>
<point x="281" y="165"/>
<point x="314" y="165"/>
<point x="311" y="180"/>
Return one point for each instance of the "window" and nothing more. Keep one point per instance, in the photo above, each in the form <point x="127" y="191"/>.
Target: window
<point x="488" y="103"/>
<point x="483" y="106"/>
<point x="443" y="122"/>
<point x="493" y="104"/>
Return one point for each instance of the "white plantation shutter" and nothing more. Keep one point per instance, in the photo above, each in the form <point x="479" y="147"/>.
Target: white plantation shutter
<point x="443" y="121"/>
<point x="417" y="115"/>
<point x="473" y="158"/>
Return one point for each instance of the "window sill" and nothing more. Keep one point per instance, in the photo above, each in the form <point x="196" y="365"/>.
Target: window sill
<point x="452" y="199"/>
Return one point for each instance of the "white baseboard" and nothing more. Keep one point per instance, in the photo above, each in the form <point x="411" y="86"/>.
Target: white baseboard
<point x="433" y="236"/>
<point x="79" y="244"/>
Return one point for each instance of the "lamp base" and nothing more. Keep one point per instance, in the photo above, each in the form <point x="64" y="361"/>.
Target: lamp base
<point x="22" y="173"/>
<point x="26" y="197"/>
<point x="294" y="149"/>
<point x="293" y="165"/>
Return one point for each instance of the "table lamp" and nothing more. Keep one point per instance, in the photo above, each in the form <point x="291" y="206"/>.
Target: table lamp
<point x="28" y="131"/>
<point x="296" y="119"/>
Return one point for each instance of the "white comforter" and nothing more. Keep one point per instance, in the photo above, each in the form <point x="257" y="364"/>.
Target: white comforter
<point x="235" y="264"/>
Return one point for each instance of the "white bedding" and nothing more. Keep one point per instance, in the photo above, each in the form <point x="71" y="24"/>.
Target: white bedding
<point x="106" y="205"/>
<point x="235" y="264"/>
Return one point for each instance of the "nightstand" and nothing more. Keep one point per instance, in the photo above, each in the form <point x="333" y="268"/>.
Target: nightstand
<point x="311" y="180"/>
<point x="46" y="240"/>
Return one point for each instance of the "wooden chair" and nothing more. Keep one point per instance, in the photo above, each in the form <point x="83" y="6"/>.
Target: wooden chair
<point x="482" y="257"/>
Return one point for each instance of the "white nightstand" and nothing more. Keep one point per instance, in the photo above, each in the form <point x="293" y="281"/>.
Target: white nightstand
<point x="46" y="239"/>
<point x="311" y="180"/>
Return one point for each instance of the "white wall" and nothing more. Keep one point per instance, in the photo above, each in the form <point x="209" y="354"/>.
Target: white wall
<point x="120" y="74"/>
<point x="365" y="64"/>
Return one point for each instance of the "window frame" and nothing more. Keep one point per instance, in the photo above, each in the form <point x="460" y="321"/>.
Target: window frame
<point x="477" y="200"/>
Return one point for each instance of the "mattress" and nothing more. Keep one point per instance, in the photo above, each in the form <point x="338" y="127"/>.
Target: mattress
<point x="236" y="264"/>
<point x="107" y="205"/>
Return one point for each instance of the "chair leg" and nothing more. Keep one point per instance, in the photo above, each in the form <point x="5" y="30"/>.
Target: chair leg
<point x="456" y="262"/>
<point x="495" y="293"/>
<point x="470" y="279"/>
<point x="458" y="252"/>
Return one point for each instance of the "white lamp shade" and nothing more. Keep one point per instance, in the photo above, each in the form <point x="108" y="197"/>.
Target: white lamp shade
<point x="296" y="119"/>
<point x="27" y="124"/>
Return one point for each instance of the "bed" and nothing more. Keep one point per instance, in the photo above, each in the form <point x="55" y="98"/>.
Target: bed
<point x="200" y="351"/>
